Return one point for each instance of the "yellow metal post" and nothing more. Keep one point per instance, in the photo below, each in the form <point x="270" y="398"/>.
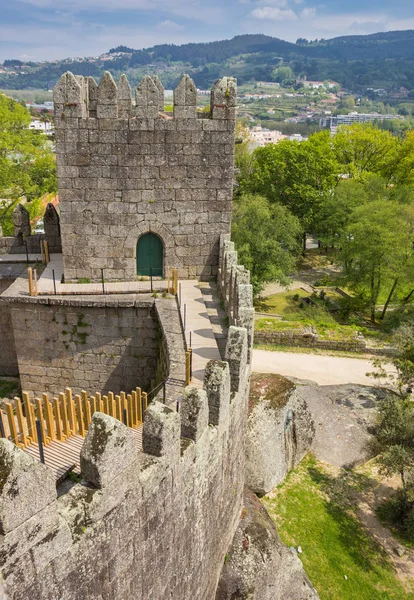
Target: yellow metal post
<point x="118" y="408"/>
<point x="86" y="409"/>
<point x="188" y="367"/>
<point x="139" y="405"/>
<point x="31" y="425"/>
<point x="46" y="247"/>
<point x="71" y="410"/>
<point x="12" y="424"/>
<point x="21" y="421"/>
<point x="35" y="292"/>
<point x="39" y="411"/>
<point x="30" y="281"/>
<point x="64" y="414"/>
<point x="51" y="430"/>
<point x="58" y="421"/>
<point x="81" y="424"/>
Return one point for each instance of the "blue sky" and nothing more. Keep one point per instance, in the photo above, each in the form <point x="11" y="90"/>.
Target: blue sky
<point x="54" y="29"/>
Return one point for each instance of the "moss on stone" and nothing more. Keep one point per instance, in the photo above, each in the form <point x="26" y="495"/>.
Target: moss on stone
<point x="270" y="388"/>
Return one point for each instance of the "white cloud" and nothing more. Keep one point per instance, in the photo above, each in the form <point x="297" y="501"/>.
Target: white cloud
<point x="278" y="3"/>
<point x="308" y="13"/>
<point x="273" y="14"/>
<point x="170" y="25"/>
<point x="190" y="9"/>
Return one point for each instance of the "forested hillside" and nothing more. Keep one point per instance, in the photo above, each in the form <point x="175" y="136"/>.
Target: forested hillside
<point x="356" y="62"/>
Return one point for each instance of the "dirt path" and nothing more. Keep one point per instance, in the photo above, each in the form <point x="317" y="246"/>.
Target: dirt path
<point x="401" y="557"/>
<point x="324" y="370"/>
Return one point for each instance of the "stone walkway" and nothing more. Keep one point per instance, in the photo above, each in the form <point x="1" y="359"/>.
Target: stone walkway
<point x="198" y="329"/>
<point x="46" y="287"/>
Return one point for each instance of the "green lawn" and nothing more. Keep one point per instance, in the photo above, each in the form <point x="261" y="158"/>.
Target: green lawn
<point x="295" y="314"/>
<point x="313" y="509"/>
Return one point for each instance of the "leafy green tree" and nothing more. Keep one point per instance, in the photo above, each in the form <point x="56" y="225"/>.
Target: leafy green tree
<point x="242" y="157"/>
<point x="27" y="163"/>
<point x="299" y="175"/>
<point x="362" y="148"/>
<point x="284" y="75"/>
<point x="377" y="247"/>
<point x="349" y="194"/>
<point x="394" y="444"/>
<point x="266" y="237"/>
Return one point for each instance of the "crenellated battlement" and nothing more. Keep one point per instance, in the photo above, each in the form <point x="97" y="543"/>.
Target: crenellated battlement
<point x="126" y="169"/>
<point x="77" y="97"/>
<point x="149" y="524"/>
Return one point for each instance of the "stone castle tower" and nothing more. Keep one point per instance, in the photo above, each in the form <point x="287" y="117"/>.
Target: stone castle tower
<point x="141" y="189"/>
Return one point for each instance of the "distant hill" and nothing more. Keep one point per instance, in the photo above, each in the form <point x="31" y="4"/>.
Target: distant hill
<point x="356" y="62"/>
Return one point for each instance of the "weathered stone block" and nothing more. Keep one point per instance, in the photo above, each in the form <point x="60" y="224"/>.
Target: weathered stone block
<point x="194" y="413"/>
<point x="161" y="431"/>
<point x="217" y="385"/>
<point x="108" y="448"/>
<point x="26" y="486"/>
<point x="236" y="356"/>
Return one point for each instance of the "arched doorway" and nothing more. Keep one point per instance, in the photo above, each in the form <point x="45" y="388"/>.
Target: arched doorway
<point x="150" y="255"/>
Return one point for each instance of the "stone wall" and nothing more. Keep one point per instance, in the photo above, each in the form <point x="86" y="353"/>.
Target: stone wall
<point x="308" y="340"/>
<point x="155" y="524"/>
<point x="151" y="524"/>
<point x="98" y="345"/>
<point x="8" y="356"/>
<point x="124" y="171"/>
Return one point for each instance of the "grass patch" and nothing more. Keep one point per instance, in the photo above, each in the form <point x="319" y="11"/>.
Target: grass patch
<point x="280" y="304"/>
<point x="400" y="522"/>
<point x="294" y="313"/>
<point x="315" y="510"/>
<point x="9" y="388"/>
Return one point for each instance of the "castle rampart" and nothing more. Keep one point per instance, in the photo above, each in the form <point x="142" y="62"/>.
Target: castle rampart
<point x="126" y="170"/>
<point x="152" y="524"/>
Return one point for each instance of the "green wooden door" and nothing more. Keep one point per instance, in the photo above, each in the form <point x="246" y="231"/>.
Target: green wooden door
<point x="150" y="255"/>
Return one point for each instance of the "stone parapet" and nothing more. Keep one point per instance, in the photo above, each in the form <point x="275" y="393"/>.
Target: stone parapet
<point x="139" y="522"/>
<point x="233" y="283"/>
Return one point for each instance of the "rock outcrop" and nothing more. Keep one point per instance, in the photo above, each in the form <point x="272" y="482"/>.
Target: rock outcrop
<point x="258" y="565"/>
<point x="280" y="431"/>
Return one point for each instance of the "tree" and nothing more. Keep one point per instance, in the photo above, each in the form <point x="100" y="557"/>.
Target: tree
<point x="393" y="443"/>
<point x="27" y="163"/>
<point x="283" y="75"/>
<point x="299" y="175"/>
<point x="362" y="148"/>
<point x="242" y="156"/>
<point x="266" y="237"/>
<point x="377" y="246"/>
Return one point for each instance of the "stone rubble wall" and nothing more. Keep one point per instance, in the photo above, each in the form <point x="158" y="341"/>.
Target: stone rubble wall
<point x="125" y="170"/>
<point x="98" y="345"/>
<point x="305" y="340"/>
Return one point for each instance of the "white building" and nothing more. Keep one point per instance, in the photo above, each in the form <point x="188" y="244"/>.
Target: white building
<point x="261" y="137"/>
<point x="353" y="117"/>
